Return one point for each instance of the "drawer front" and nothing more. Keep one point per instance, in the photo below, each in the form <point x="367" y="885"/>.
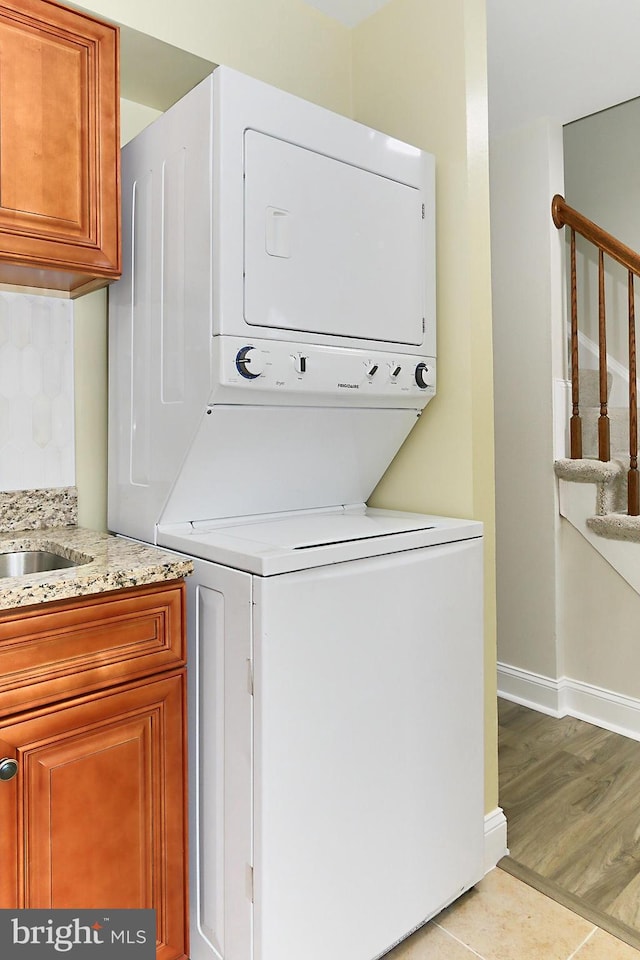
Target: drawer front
<point x="60" y="650"/>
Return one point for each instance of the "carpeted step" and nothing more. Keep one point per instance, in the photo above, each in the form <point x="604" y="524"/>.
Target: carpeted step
<point x="610" y="477"/>
<point x="616" y="526"/>
<point x="589" y="387"/>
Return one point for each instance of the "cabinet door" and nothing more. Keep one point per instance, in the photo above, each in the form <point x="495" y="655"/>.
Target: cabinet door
<point x="95" y="816"/>
<point x="59" y="150"/>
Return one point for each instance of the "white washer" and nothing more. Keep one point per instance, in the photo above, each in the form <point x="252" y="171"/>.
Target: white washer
<point x="336" y="735"/>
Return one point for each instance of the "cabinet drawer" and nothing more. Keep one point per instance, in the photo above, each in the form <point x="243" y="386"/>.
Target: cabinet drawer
<point x="64" y="649"/>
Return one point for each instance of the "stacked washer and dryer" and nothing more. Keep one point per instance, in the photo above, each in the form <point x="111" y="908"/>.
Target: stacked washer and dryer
<point x="272" y="343"/>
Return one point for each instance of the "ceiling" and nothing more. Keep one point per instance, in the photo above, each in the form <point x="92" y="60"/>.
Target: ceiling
<point x="560" y="60"/>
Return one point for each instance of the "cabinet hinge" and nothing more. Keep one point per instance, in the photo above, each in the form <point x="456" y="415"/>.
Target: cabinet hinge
<point x="423" y="211"/>
<point x="424" y="325"/>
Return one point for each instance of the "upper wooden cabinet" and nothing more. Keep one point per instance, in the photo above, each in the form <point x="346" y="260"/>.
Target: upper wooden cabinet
<point x="59" y="148"/>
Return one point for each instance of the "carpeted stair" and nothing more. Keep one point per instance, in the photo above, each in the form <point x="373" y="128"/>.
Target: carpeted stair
<point x="610" y="519"/>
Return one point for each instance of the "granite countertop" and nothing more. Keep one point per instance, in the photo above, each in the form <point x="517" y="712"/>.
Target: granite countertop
<point x="107" y="563"/>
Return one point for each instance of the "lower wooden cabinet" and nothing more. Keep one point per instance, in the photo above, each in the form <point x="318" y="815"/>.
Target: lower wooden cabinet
<point x="95" y="815"/>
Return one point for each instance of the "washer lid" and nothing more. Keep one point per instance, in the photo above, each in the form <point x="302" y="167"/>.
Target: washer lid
<point x="271" y="544"/>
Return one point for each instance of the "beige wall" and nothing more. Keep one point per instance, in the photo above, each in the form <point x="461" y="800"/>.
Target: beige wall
<point x="418" y="71"/>
<point x="284" y="42"/>
<point x="420" y="74"/>
<point x="134" y="117"/>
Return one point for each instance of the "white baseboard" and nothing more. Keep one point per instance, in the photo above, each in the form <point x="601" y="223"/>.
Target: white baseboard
<point x="566" y="697"/>
<point x="607" y="709"/>
<point x="530" y="689"/>
<point x="495" y="838"/>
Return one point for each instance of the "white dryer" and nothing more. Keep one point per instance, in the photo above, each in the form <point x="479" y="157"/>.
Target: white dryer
<point x="272" y="343"/>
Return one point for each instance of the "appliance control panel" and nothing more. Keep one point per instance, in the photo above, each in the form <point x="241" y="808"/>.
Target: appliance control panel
<point x="279" y="366"/>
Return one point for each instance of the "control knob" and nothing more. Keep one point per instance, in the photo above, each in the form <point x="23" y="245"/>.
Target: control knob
<point x="300" y="363"/>
<point x="249" y="363"/>
<point x="423" y="376"/>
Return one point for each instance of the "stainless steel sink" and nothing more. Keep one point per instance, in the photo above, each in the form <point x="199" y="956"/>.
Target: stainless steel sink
<point x="20" y="562"/>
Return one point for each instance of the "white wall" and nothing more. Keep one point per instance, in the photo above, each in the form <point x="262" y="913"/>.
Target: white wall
<point x="558" y="61"/>
<point x="526" y="170"/>
<point x="562" y="60"/>
<point x="602" y="181"/>
<point x="562" y="610"/>
<point x="599" y="616"/>
<point x="602" y="173"/>
<point x="599" y="610"/>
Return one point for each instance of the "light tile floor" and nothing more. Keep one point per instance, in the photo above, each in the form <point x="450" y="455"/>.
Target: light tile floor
<point x="504" y="919"/>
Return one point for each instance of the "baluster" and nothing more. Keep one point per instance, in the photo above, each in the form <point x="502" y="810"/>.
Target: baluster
<point x="576" y="422"/>
<point x="633" y="488"/>
<point x="603" y="419"/>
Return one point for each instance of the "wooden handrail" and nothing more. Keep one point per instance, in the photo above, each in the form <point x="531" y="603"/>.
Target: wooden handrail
<point x="564" y="215"/>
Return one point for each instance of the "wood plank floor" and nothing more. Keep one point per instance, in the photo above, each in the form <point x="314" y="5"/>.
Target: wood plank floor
<point x="571" y="795"/>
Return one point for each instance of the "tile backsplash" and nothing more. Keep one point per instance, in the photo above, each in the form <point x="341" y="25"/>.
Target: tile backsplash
<point x="36" y="392"/>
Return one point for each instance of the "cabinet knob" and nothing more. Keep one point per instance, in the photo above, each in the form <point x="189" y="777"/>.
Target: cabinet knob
<point x="8" y="768"/>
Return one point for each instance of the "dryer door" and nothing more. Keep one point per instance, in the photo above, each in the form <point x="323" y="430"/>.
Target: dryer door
<point x="330" y="248"/>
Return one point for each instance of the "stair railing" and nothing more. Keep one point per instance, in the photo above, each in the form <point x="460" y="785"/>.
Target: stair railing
<point x="564" y="215"/>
